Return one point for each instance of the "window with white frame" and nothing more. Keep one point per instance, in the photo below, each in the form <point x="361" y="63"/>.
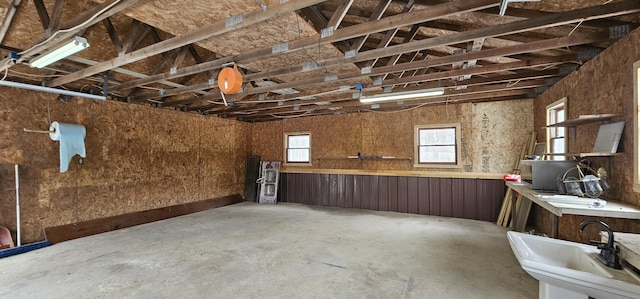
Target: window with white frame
<point x="437" y="145"/>
<point x="297" y="148"/>
<point x="636" y="123"/>
<point x="556" y="140"/>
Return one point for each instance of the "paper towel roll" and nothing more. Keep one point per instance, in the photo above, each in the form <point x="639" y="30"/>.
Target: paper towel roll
<point x="71" y="137"/>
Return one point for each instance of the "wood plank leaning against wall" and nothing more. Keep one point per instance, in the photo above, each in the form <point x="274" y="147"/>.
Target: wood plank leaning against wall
<point x="138" y="158"/>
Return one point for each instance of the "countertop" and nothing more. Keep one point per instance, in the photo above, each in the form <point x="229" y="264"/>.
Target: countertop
<point x="629" y="246"/>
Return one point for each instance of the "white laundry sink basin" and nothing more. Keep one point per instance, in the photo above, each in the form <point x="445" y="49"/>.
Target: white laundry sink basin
<point x="570" y="270"/>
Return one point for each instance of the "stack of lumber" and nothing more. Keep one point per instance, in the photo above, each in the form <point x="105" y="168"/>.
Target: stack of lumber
<point x="505" y="217"/>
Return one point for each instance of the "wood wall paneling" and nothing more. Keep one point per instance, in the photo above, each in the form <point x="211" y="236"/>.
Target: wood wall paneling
<point x="138" y="158"/>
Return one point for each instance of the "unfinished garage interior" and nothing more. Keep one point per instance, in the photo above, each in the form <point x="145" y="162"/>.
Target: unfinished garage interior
<point x="144" y="144"/>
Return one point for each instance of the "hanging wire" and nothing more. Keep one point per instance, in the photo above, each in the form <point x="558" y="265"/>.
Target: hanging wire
<point x="6" y="71"/>
<point x="304" y="49"/>
<point x="511" y="84"/>
<point x="49" y="109"/>
<point x="576" y="27"/>
<point x="396" y="111"/>
<point x="291" y="116"/>
<point x="34" y="75"/>
<point x="446" y="107"/>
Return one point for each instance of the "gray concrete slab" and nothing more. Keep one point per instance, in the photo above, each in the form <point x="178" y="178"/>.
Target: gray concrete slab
<point x="277" y="251"/>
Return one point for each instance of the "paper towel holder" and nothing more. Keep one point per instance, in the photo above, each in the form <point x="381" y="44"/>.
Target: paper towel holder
<point x="38" y="131"/>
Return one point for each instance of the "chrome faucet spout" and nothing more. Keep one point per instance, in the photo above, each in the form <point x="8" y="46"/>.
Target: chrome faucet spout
<point x="608" y="255"/>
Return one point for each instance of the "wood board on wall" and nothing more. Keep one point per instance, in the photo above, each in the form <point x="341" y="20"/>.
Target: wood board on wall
<point x="138" y="158"/>
<point x="489" y="130"/>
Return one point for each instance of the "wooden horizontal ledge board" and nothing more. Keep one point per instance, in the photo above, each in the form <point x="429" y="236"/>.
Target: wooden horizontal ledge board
<point x="414" y="173"/>
<point x="57" y="234"/>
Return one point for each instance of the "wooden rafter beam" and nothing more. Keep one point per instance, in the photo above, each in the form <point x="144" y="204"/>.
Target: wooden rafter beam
<point x="6" y="22"/>
<point x="227" y="25"/>
<point x="389" y="35"/>
<point x="339" y="14"/>
<point x="453" y="8"/>
<point x="375" y="15"/>
<point x="137" y="32"/>
<point x="475" y="91"/>
<point x="43" y="14"/>
<point x="313" y="15"/>
<point x="77" y="24"/>
<point x="617" y="8"/>
<point x="198" y="59"/>
<point x="56" y="15"/>
<point x="113" y="35"/>
<point x="497" y="30"/>
<point x="272" y="102"/>
<point x="447" y="60"/>
<point x="412" y="34"/>
<point x="513" y="80"/>
<point x="320" y="22"/>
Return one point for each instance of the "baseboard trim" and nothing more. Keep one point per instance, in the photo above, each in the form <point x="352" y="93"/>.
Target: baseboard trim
<point x="61" y="233"/>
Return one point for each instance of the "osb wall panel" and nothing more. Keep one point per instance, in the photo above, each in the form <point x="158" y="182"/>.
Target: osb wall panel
<point x="492" y="136"/>
<point x="512" y="117"/>
<point x="138" y="158"/>
<point x="602" y="85"/>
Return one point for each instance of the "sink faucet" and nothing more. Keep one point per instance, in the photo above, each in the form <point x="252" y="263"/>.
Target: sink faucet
<point x="608" y="255"/>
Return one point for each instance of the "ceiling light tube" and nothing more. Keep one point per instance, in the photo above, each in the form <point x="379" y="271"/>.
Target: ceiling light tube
<point x="69" y="48"/>
<point x="403" y="95"/>
<point x="51" y="90"/>
<point x="504" y="3"/>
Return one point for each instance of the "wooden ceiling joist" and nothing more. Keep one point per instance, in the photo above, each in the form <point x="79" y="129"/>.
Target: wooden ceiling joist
<point x="227" y="25"/>
<point x="506" y="51"/>
<point x="6" y="22"/>
<point x="445" y="75"/>
<point x="78" y="24"/>
<point x="452" y="8"/>
<point x="467" y="36"/>
<point x="363" y="47"/>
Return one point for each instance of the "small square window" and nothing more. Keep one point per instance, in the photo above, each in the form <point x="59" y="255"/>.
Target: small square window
<point x="437" y="145"/>
<point x="297" y="148"/>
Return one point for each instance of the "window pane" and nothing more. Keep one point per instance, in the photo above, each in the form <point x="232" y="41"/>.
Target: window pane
<point x="298" y="155"/>
<point x="299" y="141"/>
<point x="437" y="154"/>
<point x="558" y="145"/>
<point x="445" y="136"/>
<point x="560" y="117"/>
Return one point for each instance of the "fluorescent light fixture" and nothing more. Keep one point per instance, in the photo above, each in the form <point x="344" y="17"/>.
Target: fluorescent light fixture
<point x="403" y="95"/>
<point x="69" y="48"/>
<point x="51" y="90"/>
<point x="504" y="3"/>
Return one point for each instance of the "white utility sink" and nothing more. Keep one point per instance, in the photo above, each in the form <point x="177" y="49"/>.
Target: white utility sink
<point x="568" y="270"/>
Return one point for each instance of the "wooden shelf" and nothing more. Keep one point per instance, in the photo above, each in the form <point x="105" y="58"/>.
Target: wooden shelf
<point x="584" y="119"/>
<point x="361" y="158"/>
<point x="584" y="155"/>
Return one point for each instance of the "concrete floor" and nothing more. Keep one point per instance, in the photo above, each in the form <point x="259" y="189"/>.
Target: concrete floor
<point x="277" y="251"/>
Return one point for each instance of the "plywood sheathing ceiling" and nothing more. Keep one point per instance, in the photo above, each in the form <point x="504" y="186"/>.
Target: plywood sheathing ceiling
<point x="168" y="53"/>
